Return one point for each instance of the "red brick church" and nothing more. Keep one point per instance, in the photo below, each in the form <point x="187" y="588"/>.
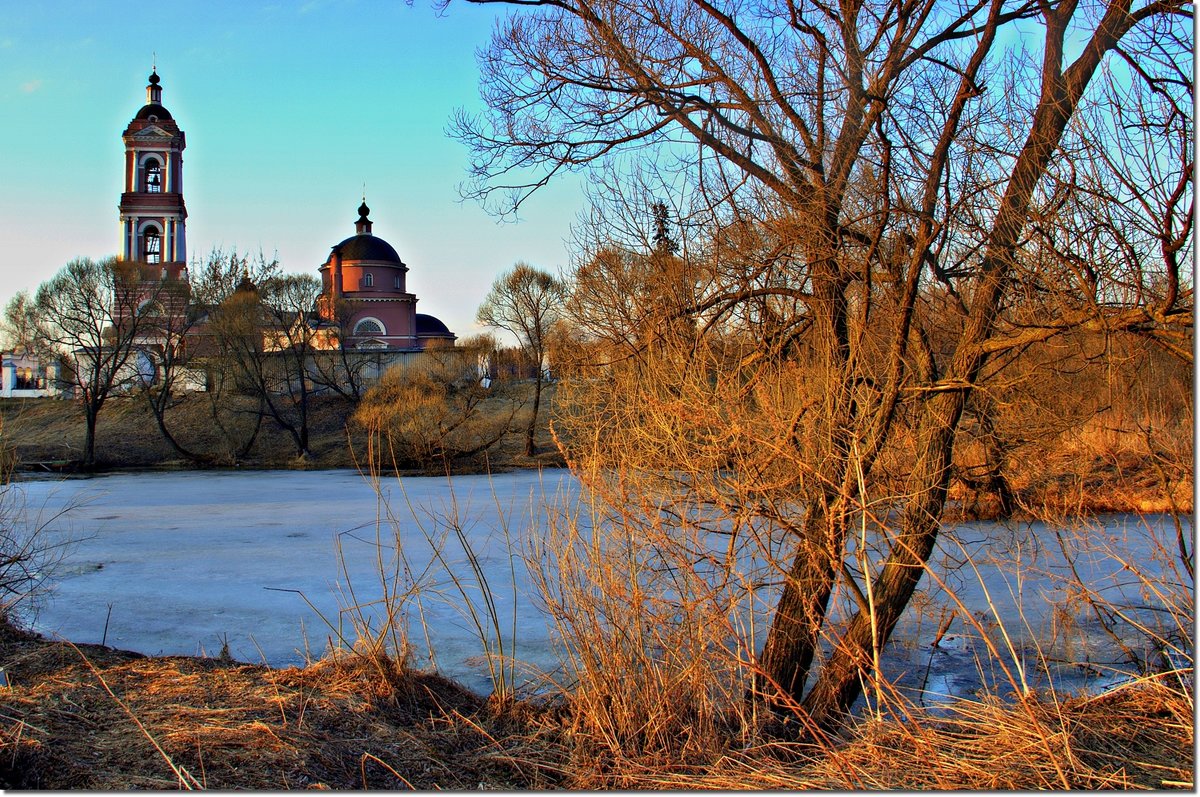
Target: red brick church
<point x="363" y="288"/>
<point x="365" y="305"/>
<point x="363" y="279"/>
<point x="153" y="216"/>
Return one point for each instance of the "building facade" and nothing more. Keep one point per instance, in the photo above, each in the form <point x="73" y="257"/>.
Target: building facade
<point x="152" y="212"/>
<point x="364" y="292"/>
<point x="22" y="375"/>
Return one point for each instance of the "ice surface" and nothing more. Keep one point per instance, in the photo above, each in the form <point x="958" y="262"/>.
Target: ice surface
<point x="180" y="563"/>
<point x="269" y="561"/>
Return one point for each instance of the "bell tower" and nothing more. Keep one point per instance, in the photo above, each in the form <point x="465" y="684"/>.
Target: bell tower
<point x="152" y="212"/>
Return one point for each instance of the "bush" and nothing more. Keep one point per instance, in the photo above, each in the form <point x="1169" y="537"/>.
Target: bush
<point x="426" y="415"/>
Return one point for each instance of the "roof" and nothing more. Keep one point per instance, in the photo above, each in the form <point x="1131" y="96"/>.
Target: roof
<point x="367" y="247"/>
<point x="430" y="327"/>
<point x="153" y="109"/>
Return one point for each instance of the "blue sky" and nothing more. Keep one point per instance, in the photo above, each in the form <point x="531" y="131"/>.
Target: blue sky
<point x="288" y="109"/>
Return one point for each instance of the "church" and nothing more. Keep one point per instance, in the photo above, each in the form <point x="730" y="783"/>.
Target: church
<point x="364" y="300"/>
<point x="363" y="290"/>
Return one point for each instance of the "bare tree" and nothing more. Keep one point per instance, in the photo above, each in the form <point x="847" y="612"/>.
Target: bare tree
<point x="271" y="337"/>
<point x="526" y="302"/>
<point x="93" y="311"/>
<point x="229" y="337"/>
<point x="18" y="327"/>
<point x="340" y="367"/>
<point x="164" y="345"/>
<point x="868" y="177"/>
<point x="189" y="345"/>
<point x="434" y="412"/>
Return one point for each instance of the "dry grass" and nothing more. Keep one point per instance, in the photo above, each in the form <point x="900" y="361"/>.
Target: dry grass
<point x="51" y="430"/>
<point x="337" y="724"/>
<point x="127" y="436"/>
<point x="1138" y="736"/>
<point x="334" y="724"/>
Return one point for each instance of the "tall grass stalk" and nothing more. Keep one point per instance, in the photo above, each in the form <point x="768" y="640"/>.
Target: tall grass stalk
<point x="656" y="607"/>
<point x="476" y="599"/>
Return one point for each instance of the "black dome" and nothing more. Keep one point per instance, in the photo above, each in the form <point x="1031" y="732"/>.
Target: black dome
<point x="367" y="247"/>
<point x="428" y="326"/>
<point x="153" y="109"/>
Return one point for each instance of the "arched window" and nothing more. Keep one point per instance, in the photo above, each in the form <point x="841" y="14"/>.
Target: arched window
<point x="150" y="308"/>
<point x="396" y="282"/>
<point x="151" y="245"/>
<point x="368" y="279"/>
<point x="152" y="176"/>
<point x="368" y="326"/>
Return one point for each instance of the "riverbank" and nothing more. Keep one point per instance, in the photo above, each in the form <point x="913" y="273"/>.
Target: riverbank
<point x="47" y="435"/>
<point x="92" y="717"/>
<point x="1088" y="472"/>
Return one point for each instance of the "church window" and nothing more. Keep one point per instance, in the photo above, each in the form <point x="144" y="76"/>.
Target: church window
<point x="368" y="326"/>
<point x="369" y="279"/>
<point x="150" y="308"/>
<point x="396" y="283"/>
<point x="151" y="245"/>
<point x="152" y="176"/>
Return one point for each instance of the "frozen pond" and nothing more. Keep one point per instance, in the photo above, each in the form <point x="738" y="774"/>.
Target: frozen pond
<point x="267" y="562"/>
<point x="181" y="563"/>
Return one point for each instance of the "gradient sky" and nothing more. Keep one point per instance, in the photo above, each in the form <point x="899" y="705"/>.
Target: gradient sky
<point x="288" y="109"/>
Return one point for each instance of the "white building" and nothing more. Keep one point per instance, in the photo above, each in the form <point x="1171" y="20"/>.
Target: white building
<point x="23" y="376"/>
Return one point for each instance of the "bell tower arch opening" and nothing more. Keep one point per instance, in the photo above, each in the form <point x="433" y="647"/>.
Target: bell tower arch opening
<point x="151" y="249"/>
<point x="151" y="175"/>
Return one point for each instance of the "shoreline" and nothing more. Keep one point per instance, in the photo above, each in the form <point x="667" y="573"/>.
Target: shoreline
<point x="95" y="717"/>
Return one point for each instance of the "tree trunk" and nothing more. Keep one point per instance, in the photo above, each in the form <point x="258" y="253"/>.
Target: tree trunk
<point x="158" y="406"/>
<point x="795" y="630"/>
<point x="89" y="445"/>
<point x="841" y="680"/>
<point x="530" y="449"/>
<point x="994" y="449"/>
<point x="796" y="626"/>
<point x="241" y="451"/>
<point x="842" y="676"/>
<point x="302" y="439"/>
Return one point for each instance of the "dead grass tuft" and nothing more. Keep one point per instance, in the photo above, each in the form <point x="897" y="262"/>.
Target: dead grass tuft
<point x="338" y="724"/>
<point x="227" y="725"/>
<point x="1139" y="736"/>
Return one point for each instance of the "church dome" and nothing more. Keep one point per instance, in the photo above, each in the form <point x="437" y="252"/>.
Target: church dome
<point x="153" y="106"/>
<point x="365" y="246"/>
<point x="155" y="110"/>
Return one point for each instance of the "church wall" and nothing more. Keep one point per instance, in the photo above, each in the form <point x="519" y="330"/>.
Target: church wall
<point x="399" y="319"/>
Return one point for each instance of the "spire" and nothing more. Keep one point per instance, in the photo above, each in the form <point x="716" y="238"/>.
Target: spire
<point x="154" y="91"/>
<point x="363" y="225"/>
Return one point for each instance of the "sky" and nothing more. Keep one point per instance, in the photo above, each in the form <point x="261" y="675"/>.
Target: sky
<point x="288" y="108"/>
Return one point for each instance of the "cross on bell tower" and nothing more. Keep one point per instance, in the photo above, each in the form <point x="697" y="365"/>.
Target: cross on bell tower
<point x="153" y="216"/>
